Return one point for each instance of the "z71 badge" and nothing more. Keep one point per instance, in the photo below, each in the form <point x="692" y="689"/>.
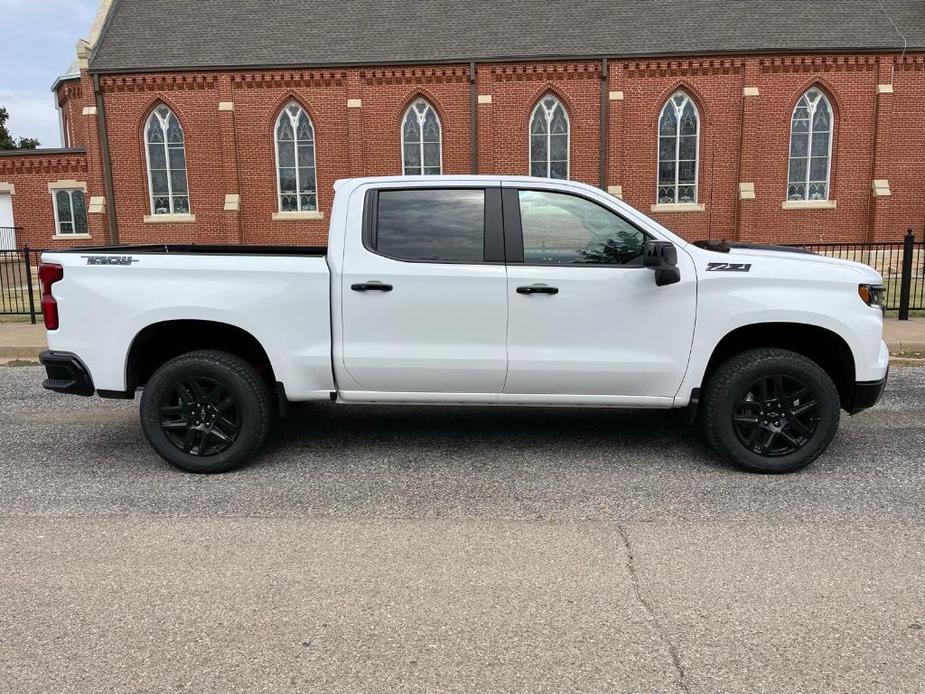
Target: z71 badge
<point x="109" y="259"/>
<point x="729" y="267"/>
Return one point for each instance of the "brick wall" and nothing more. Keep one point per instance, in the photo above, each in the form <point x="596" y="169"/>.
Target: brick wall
<point x="745" y="105"/>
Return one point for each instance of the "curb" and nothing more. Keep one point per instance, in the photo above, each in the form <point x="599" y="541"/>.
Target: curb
<point x="21" y="352"/>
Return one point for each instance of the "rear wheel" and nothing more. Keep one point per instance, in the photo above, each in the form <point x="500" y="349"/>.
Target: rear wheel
<point x="770" y="410"/>
<point x="206" y="411"/>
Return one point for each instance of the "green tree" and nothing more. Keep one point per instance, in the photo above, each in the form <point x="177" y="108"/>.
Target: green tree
<point x="7" y="141"/>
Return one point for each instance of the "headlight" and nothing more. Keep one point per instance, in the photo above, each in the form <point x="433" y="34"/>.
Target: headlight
<point x="872" y="295"/>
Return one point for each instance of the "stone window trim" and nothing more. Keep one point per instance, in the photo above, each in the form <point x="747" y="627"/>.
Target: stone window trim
<point x="7" y="188"/>
<point x="67" y="184"/>
<point x="297" y="216"/>
<point x="169" y="218"/>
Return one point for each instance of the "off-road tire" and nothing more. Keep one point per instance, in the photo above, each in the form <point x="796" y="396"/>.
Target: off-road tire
<point x="253" y="408"/>
<point x="726" y="394"/>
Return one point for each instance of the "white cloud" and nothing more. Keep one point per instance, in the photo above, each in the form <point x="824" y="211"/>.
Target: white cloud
<point x="32" y="114"/>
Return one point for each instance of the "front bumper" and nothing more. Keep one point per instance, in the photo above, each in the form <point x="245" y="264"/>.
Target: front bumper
<point x="66" y="374"/>
<point x="868" y="393"/>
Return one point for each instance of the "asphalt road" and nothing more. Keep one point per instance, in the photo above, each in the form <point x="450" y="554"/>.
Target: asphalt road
<point x="373" y="549"/>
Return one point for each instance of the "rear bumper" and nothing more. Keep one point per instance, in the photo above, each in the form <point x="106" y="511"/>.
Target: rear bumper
<point x="66" y="374"/>
<point x="868" y="393"/>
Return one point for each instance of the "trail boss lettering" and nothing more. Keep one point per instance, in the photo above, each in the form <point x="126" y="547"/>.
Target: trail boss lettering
<point x="109" y="259"/>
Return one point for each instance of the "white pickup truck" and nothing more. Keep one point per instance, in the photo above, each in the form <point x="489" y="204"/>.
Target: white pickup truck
<point x="483" y="290"/>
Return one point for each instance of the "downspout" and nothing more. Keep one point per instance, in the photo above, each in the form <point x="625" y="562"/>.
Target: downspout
<point x="605" y="102"/>
<point x="106" y="161"/>
<point x="473" y="122"/>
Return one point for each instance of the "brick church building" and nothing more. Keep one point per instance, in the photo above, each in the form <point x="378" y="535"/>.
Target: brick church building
<point x="229" y="121"/>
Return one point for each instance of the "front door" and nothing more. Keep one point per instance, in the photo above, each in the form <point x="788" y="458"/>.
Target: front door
<point x="425" y="295"/>
<point x="586" y="318"/>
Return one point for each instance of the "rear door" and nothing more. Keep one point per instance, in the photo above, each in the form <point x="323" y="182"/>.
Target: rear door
<point x="586" y="318"/>
<point x="424" y="297"/>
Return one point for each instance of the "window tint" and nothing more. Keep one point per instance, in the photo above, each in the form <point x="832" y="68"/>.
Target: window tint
<point x="432" y="225"/>
<point x="562" y="229"/>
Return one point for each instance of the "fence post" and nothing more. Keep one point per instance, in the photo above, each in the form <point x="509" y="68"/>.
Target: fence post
<point x="905" y="282"/>
<point x="26" y="253"/>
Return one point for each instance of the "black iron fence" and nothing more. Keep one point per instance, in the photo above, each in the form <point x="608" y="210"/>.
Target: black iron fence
<point x="902" y="264"/>
<point x="19" y="286"/>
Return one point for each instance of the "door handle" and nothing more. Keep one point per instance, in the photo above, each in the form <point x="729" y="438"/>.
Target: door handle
<point x="371" y="287"/>
<point x="538" y="289"/>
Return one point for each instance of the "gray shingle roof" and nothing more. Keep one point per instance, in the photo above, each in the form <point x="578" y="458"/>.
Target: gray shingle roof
<point x="175" y="34"/>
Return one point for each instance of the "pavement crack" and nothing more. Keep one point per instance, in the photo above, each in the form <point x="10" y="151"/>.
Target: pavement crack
<point x="659" y="628"/>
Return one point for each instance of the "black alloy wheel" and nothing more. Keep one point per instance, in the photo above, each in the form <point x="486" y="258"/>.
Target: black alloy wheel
<point x="200" y="416"/>
<point x="206" y="411"/>
<point x="776" y="416"/>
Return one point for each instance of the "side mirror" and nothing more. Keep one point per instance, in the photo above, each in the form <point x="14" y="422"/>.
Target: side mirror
<point x="662" y="257"/>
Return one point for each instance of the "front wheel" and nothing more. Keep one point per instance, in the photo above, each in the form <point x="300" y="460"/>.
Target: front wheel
<point x="206" y="411"/>
<point x="770" y="410"/>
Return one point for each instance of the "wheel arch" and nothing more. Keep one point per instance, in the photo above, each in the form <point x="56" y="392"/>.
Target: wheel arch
<point x="821" y="345"/>
<point x="159" y="342"/>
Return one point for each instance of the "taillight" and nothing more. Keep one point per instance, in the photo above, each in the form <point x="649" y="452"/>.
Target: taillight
<point x="49" y="273"/>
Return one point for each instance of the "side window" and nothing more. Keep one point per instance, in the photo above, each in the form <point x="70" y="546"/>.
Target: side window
<point x="430" y="225"/>
<point x="562" y="229"/>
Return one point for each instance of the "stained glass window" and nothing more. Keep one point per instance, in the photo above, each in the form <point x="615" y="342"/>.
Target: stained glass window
<point x="166" y="153"/>
<point x="678" y="147"/>
<point x="811" y="130"/>
<point x="295" y="160"/>
<point x="70" y="212"/>
<point x="549" y="139"/>
<point x="421" y="140"/>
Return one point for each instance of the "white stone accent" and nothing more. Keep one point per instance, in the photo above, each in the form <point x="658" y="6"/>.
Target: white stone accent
<point x="296" y="216"/>
<point x="884" y="88"/>
<point x="746" y="190"/>
<point x="484" y="98"/>
<point x="678" y="207"/>
<point x="97" y="204"/>
<point x="749" y="91"/>
<point x="226" y="106"/>
<point x="89" y="111"/>
<point x="616" y="191"/>
<point x="881" y="188"/>
<point x="232" y="202"/>
<point x="169" y="218"/>
<point x="67" y="185"/>
<point x="354" y="103"/>
<point x="616" y="95"/>
<point x="808" y="204"/>
<point x="7" y="188"/>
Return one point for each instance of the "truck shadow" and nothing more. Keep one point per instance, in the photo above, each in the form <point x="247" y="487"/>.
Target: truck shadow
<point x="415" y="434"/>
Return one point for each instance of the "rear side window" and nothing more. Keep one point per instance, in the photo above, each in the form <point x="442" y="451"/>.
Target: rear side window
<point x="429" y="225"/>
<point x="562" y="229"/>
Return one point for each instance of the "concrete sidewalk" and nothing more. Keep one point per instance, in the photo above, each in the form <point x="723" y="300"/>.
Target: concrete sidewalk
<point x="25" y="341"/>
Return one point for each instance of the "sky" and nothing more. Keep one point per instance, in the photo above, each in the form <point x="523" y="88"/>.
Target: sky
<point x="37" y="39"/>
